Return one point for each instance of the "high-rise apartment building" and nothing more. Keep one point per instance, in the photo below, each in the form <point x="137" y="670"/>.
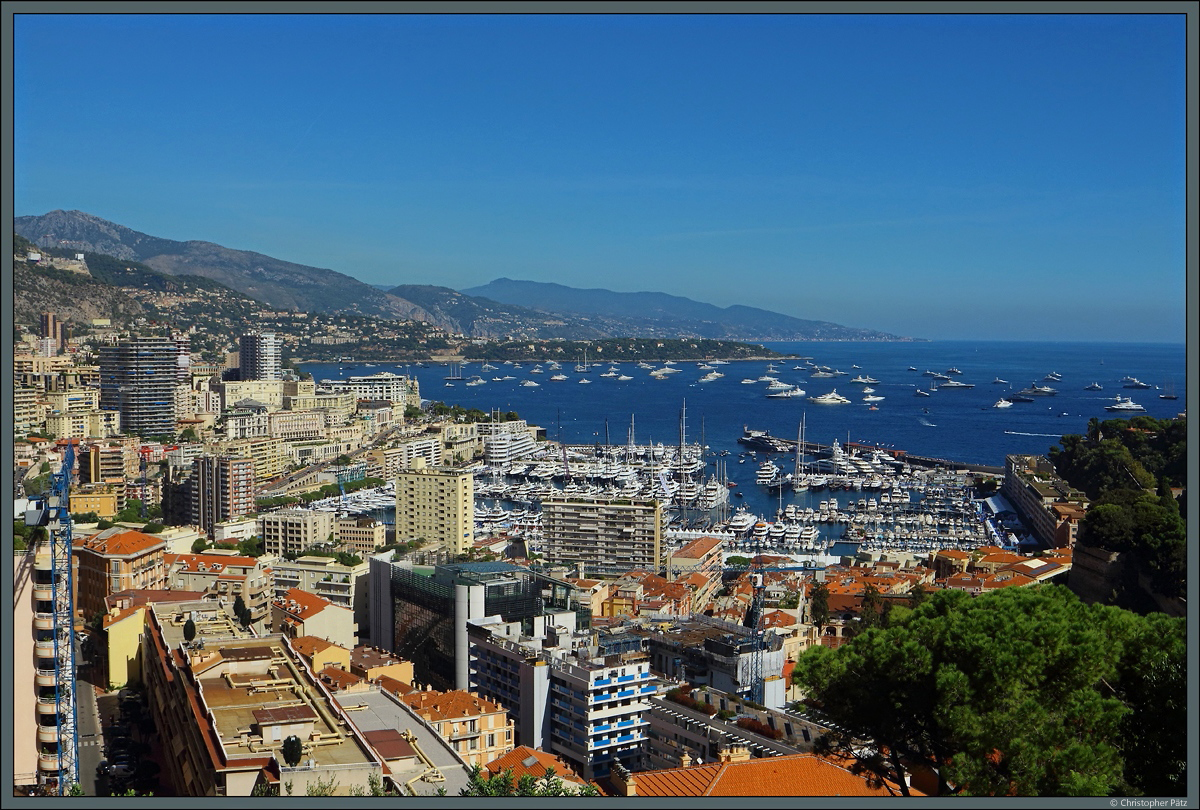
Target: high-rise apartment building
<point x="51" y="327"/>
<point x="222" y="489"/>
<point x="138" y="377"/>
<point x="437" y="505"/>
<point x="260" y="356"/>
<point x="603" y="536"/>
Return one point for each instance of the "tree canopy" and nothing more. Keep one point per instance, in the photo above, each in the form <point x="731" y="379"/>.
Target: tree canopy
<point x="503" y="784"/>
<point x="1023" y="691"/>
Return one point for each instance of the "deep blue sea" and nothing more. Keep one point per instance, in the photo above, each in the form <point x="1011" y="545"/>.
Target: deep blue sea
<point x="957" y="424"/>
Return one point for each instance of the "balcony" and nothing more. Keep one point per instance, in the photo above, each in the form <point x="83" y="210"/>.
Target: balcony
<point x="43" y="621"/>
<point x="44" y="677"/>
<point x="47" y="734"/>
<point x="43" y="593"/>
<point x="48" y="762"/>
<point x="44" y="649"/>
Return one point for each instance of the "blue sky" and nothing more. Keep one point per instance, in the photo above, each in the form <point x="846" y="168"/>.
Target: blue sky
<point x="990" y="177"/>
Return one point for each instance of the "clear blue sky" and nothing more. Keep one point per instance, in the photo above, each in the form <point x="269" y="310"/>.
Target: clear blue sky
<point x="991" y="177"/>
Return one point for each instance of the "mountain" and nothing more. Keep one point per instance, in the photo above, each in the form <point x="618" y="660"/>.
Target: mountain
<point x="662" y="313"/>
<point x="280" y="284"/>
<point x="483" y="318"/>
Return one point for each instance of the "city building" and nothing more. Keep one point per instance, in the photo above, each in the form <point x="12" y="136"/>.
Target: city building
<point x="360" y="535"/>
<point x="113" y="560"/>
<point x="436" y="505"/>
<point x="343" y="585"/>
<point x="581" y="696"/>
<point x="601" y="536"/>
<point x="124" y="623"/>
<point x="299" y="613"/>
<point x="224" y="705"/>
<point x="138" y="377"/>
<point x="224" y="575"/>
<point x="420" y="613"/>
<point x="1033" y="487"/>
<point x="504" y="442"/>
<point x="478" y="729"/>
<point x="260" y="356"/>
<point x="384" y="385"/>
<point x="392" y="460"/>
<point x="295" y="531"/>
<point x="222" y="489"/>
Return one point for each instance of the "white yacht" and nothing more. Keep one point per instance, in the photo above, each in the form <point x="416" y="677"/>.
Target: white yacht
<point x="1002" y="403"/>
<point x="528" y="384"/>
<point x="558" y="377"/>
<point x="1124" y="404"/>
<point x="832" y="398"/>
<point x="872" y="398"/>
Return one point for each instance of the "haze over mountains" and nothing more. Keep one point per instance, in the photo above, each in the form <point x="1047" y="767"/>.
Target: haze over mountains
<point x="502" y="308"/>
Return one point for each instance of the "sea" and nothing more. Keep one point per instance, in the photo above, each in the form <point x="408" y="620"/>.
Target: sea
<point x="954" y="424"/>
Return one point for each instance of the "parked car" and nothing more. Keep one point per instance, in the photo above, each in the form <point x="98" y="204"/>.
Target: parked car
<point x="121" y="770"/>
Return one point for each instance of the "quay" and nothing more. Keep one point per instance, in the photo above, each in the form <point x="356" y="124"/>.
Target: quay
<point x="763" y="442"/>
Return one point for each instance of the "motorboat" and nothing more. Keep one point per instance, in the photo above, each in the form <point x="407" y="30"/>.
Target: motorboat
<point x="1124" y="404"/>
<point x="956" y="384"/>
<point x="1094" y="387"/>
<point x="920" y="393"/>
<point x="872" y="398"/>
<point x="1002" y="403"/>
<point x="832" y="398"/>
<point x="999" y="381"/>
<point x="1134" y="382"/>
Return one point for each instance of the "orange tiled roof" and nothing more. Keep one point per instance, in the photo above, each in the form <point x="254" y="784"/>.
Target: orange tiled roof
<point x="797" y="775"/>
<point x="522" y="754"/>
<point x="449" y="705"/>
<point x="697" y="548"/>
<point x="308" y="646"/>
<point x="307" y="604"/>
<point x="121" y="543"/>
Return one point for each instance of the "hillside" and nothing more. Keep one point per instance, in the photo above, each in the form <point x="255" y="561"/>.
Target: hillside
<point x="660" y="313"/>
<point x="280" y="284"/>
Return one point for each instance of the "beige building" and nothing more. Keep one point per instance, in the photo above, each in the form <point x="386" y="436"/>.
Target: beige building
<point x="299" y="613"/>
<point x="83" y="424"/>
<point x="360" y="535"/>
<point x="603" y="536"/>
<point x="294" y="531"/>
<point x="223" y="711"/>
<point x="268" y="392"/>
<point x="342" y="585"/>
<point x="116" y="559"/>
<point x="477" y="728"/>
<point x="224" y="575"/>
<point x="460" y="441"/>
<point x="294" y="425"/>
<point x="271" y="457"/>
<point x="436" y="505"/>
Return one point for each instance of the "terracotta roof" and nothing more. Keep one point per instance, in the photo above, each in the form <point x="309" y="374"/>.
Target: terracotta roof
<point x="953" y="552"/>
<point x="798" y="775"/>
<point x="306" y="605"/>
<point x="212" y="562"/>
<point x="337" y="678"/>
<point x="308" y="646"/>
<point x="121" y="543"/>
<point x="283" y="715"/>
<point x="697" y="548"/>
<point x="449" y="705"/>
<point x="399" y="688"/>
<point x="389" y="743"/>
<point x="525" y="760"/>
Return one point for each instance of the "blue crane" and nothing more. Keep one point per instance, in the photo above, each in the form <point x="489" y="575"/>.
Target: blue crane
<point x="53" y="512"/>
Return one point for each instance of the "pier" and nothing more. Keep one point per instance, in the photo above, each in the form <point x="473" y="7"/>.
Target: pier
<point x="763" y="442"/>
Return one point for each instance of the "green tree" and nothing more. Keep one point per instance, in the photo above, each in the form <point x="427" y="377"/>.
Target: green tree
<point x="818" y="605"/>
<point x="1025" y="691"/>
<point x="292" y="750"/>
<point x="189" y="630"/>
<point x="503" y="784"/>
<point x="322" y="787"/>
<point x="917" y="596"/>
<point x="199" y="545"/>
<point x="869" y="612"/>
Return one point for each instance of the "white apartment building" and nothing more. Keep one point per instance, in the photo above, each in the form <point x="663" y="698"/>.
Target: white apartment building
<point x="580" y="696"/>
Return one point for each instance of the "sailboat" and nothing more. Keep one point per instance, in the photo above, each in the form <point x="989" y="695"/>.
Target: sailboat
<point x="1168" y="392"/>
<point x="582" y="367"/>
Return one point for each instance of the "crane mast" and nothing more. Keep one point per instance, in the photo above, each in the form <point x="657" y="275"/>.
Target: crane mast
<point x="53" y="512"/>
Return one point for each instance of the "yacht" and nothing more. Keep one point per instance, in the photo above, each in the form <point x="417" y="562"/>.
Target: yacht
<point x="624" y="377"/>
<point x="832" y="398"/>
<point x="1053" y="376"/>
<point x="786" y="393"/>
<point x="1134" y="382"/>
<point x="528" y="384"/>
<point x="1124" y="404"/>
<point x="953" y="371"/>
<point x="921" y="393"/>
<point x="865" y="379"/>
<point x="748" y="381"/>
<point x="956" y="384"/>
<point x="872" y="398"/>
<point x="1094" y="387"/>
<point x="999" y="381"/>
<point x="1002" y="403"/>
<point x="558" y="377"/>
<point x="585" y="381"/>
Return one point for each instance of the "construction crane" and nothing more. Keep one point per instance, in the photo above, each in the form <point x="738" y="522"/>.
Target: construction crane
<point x="758" y="634"/>
<point x="53" y="512"/>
